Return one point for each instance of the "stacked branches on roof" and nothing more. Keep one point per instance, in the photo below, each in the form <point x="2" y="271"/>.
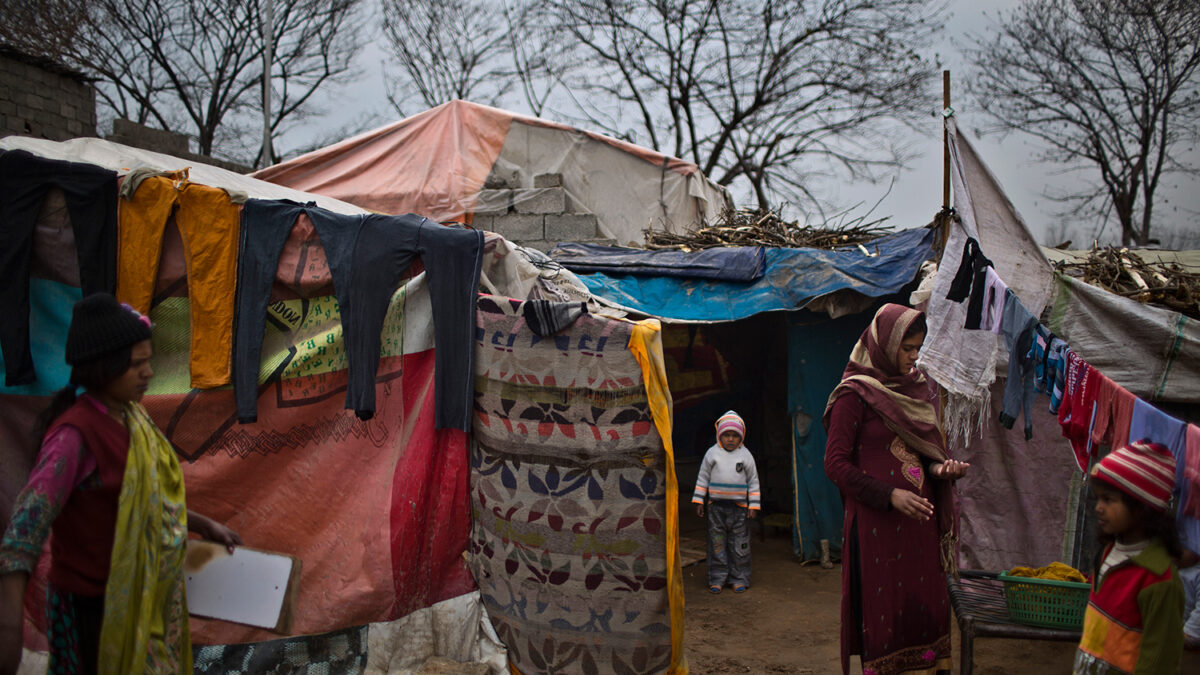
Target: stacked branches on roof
<point x="1117" y="270"/>
<point x="764" y="227"/>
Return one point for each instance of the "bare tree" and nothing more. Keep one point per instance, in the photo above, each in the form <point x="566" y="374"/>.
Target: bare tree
<point x="1111" y="88"/>
<point x="197" y="65"/>
<point x="446" y="49"/>
<point x="770" y="94"/>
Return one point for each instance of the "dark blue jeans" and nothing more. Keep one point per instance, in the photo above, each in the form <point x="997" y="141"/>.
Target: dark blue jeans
<point x="91" y="196"/>
<point x="368" y="256"/>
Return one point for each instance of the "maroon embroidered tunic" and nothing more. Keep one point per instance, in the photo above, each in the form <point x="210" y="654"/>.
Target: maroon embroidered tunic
<point x="895" y="608"/>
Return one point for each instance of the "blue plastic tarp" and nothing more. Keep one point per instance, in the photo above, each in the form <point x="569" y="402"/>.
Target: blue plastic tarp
<point x="735" y="263"/>
<point x="793" y="277"/>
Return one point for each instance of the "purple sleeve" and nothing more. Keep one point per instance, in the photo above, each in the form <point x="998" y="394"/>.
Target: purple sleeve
<point x="841" y="453"/>
<point x="63" y="463"/>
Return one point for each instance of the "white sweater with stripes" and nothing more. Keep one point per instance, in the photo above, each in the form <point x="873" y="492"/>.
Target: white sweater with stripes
<point x="728" y="475"/>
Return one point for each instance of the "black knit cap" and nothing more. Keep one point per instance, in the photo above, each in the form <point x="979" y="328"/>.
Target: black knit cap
<point x="100" y="325"/>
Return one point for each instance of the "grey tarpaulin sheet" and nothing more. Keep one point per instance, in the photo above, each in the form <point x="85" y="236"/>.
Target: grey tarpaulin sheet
<point x="1152" y="352"/>
<point x="1015" y="503"/>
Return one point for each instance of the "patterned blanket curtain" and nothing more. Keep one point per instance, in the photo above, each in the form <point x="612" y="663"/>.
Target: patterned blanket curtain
<point x="569" y="489"/>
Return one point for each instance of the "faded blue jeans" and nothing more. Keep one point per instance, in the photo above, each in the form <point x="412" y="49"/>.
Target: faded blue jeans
<point x="728" y="544"/>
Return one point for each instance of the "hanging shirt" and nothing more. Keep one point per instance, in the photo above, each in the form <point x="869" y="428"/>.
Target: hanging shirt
<point x="1018" y="328"/>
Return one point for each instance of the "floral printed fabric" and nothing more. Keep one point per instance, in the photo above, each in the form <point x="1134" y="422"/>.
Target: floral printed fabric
<point x="63" y="464"/>
<point x="568" y="487"/>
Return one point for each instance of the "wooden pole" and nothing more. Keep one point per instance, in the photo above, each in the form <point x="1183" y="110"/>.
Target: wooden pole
<point x="945" y="141"/>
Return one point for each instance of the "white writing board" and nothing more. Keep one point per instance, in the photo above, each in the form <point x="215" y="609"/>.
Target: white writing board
<point x="247" y="586"/>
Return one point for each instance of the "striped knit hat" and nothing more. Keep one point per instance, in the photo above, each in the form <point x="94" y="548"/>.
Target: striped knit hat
<point x="1142" y="470"/>
<point x="731" y="421"/>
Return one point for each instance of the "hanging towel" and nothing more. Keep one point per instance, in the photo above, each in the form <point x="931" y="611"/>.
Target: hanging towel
<point x="1078" y="407"/>
<point x="1191" y="472"/>
<point x="1114" y="409"/>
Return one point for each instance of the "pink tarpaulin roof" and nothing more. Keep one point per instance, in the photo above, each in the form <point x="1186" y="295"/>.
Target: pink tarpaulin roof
<point x="435" y="163"/>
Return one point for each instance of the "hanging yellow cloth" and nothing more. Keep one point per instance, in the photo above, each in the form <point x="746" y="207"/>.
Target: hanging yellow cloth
<point x="145" y="627"/>
<point x="646" y="345"/>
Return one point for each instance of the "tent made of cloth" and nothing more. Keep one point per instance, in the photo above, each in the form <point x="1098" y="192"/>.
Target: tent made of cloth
<point x="685" y="288"/>
<point x="379" y="511"/>
<point x="1022" y="502"/>
<point x="793" y="278"/>
<point x="436" y="163"/>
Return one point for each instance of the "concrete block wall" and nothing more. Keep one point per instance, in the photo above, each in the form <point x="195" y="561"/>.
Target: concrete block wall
<point x="537" y="217"/>
<point x="44" y="99"/>
<point x="137" y="135"/>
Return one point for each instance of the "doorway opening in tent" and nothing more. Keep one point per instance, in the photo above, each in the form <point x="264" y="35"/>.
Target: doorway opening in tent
<point x="776" y="370"/>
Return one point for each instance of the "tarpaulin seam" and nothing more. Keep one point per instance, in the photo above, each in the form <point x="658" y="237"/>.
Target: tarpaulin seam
<point x="1171" y="354"/>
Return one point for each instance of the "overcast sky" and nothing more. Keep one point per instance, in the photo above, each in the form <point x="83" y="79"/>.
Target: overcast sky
<point x="917" y="193"/>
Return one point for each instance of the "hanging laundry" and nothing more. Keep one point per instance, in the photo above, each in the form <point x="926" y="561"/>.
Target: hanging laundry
<point x="1191" y="472"/>
<point x="368" y="257"/>
<point x="207" y="219"/>
<point x="1018" y="327"/>
<point x="1114" y="410"/>
<point x="383" y="251"/>
<point x="1056" y="363"/>
<point x="91" y="197"/>
<point x="265" y="227"/>
<point x="1148" y="422"/>
<point x="971" y="266"/>
<point x="985" y="307"/>
<point x="1047" y="353"/>
<point x="1078" y="407"/>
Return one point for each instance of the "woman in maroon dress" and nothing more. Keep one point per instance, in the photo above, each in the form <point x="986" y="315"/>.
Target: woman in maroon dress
<point x="887" y="455"/>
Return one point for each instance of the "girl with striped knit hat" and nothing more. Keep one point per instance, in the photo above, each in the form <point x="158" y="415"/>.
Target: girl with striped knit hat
<point x="1134" y="618"/>
<point x="728" y="480"/>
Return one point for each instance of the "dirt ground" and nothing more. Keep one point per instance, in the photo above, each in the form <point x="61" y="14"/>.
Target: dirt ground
<point x="788" y="622"/>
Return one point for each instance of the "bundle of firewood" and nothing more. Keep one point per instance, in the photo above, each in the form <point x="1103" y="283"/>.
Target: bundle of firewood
<point x="1119" y="271"/>
<point x="764" y="227"/>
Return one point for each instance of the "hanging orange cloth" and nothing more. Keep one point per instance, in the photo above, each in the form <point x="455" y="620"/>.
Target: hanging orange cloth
<point x="208" y="222"/>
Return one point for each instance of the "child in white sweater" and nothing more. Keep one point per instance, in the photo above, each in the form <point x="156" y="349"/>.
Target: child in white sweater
<point x="728" y="481"/>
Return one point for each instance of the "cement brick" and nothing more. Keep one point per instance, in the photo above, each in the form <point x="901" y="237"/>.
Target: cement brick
<point x="547" y="180"/>
<point x="493" y="202"/>
<point x="571" y="226"/>
<point x="540" y="200"/>
<point x="500" y="179"/>
<point x="517" y="227"/>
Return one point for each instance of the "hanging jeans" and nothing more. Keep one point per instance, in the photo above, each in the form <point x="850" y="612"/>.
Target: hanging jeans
<point x="728" y="544"/>
<point x="91" y="197"/>
<point x="384" y="250"/>
<point x="368" y="256"/>
<point x="266" y="225"/>
<point x="208" y="223"/>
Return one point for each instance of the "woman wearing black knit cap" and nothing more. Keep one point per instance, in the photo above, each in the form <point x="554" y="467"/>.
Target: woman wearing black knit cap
<point x="108" y="484"/>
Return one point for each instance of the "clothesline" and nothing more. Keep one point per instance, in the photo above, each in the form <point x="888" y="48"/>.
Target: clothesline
<point x="1092" y="409"/>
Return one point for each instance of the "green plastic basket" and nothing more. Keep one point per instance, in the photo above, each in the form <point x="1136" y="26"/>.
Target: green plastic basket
<point x="1046" y="602"/>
